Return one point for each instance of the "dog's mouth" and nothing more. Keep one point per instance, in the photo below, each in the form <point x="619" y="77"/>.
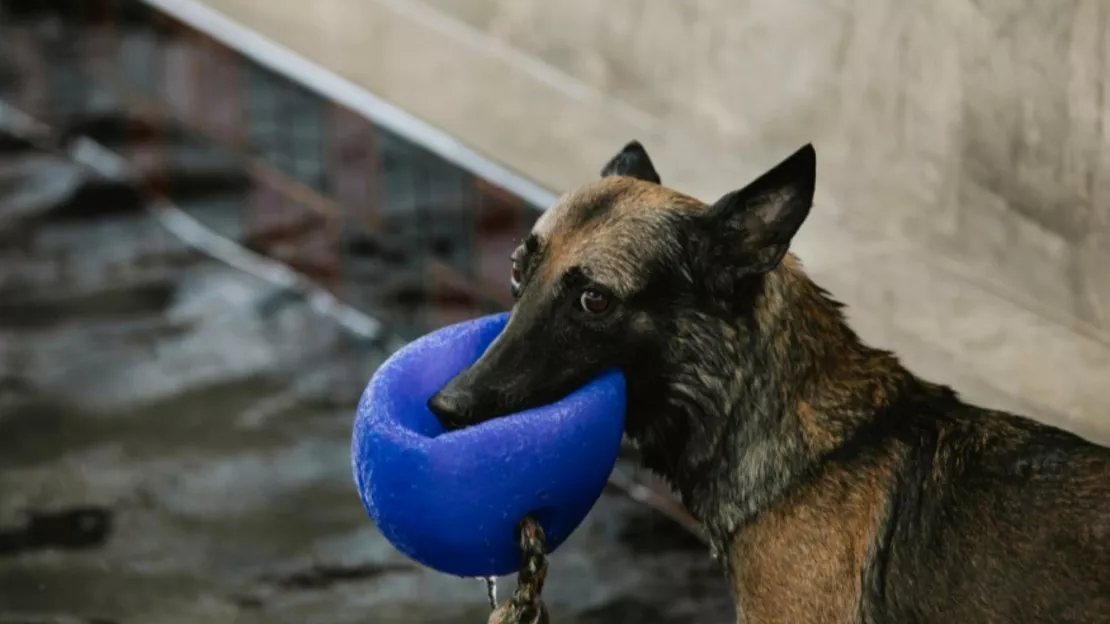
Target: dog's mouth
<point x="466" y="400"/>
<point x="457" y="408"/>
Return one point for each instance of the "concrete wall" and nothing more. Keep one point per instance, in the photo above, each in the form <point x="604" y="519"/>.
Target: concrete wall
<point x="986" y="119"/>
<point x="963" y="206"/>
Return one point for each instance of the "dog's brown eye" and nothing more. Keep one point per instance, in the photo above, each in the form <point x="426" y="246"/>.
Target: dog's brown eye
<point x="593" y="301"/>
<point x="516" y="274"/>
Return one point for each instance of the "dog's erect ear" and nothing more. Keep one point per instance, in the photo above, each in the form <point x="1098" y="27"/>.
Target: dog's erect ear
<point x="751" y="228"/>
<point x="632" y="161"/>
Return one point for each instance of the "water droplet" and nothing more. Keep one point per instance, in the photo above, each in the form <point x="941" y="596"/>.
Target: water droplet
<point x="491" y="591"/>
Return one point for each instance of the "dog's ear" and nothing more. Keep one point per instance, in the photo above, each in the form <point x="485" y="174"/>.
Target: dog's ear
<point x="751" y="229"/>
<point x="632" y="161"/>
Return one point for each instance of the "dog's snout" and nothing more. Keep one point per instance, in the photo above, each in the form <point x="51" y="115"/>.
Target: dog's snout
<point x="453" y="407"/>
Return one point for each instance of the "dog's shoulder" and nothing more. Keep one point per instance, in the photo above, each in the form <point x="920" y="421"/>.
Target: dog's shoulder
<point x="1016" y="509"/>
<point x="1006" y="448"/>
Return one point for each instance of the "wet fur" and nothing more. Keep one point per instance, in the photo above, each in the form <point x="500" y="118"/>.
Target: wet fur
<point x="836" y="486"/>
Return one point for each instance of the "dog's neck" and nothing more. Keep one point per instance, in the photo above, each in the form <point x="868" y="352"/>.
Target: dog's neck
<point x="761" y="399"/>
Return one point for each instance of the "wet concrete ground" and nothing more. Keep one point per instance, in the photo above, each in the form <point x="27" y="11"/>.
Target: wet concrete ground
<point x="174" y="432"/>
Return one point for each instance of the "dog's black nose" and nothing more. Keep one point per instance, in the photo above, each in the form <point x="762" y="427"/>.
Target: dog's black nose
<point x="453" y="408"/>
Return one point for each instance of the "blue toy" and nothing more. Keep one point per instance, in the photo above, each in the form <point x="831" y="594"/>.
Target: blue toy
<point x="452" y="500"/>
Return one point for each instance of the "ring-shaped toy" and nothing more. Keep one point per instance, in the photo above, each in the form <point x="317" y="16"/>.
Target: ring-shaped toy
<point x="452" y="500"/>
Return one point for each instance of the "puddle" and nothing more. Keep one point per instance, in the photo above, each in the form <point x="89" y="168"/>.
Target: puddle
<point x="68" y="529"/>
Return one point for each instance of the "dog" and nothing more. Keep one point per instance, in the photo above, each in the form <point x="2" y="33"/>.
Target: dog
<point x="834" y="485"/>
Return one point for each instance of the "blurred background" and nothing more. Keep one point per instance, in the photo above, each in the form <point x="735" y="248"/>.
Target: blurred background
<point x="217" y="218"/>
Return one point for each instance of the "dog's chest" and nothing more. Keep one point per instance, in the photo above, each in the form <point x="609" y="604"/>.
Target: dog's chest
<point x="804" y="559"/>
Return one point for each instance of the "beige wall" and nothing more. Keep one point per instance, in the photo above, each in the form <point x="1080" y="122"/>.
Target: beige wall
<point x="989" y="117"/>
<point x="962" y="207"/>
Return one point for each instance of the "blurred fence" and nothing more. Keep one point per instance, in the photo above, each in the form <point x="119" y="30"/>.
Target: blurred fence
<point x="385" y="224"/>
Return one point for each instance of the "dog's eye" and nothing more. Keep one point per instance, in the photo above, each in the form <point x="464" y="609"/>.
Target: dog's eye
<point x="593" y="301"/>
<point x="516" y="274"/>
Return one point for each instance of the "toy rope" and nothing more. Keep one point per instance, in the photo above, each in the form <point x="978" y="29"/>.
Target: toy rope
<point x="526" y="606"/>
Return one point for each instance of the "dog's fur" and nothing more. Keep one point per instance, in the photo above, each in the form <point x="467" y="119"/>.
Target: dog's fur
<point x="834" y="484"/>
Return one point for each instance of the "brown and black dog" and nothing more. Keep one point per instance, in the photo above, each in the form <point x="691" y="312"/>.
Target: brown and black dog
<point x="835" y="485"/>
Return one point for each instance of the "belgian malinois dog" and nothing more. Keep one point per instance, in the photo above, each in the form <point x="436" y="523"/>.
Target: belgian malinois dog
<point x="834" y="484"/>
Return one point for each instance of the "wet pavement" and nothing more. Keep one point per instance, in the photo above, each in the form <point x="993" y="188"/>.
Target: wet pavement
<point x="174" y="431"/>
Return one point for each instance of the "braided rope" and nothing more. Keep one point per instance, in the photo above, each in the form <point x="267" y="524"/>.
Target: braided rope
<point x="526" y="606"/>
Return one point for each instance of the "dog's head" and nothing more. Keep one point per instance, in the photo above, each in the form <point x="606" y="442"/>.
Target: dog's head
<point x="615" y="273"/>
